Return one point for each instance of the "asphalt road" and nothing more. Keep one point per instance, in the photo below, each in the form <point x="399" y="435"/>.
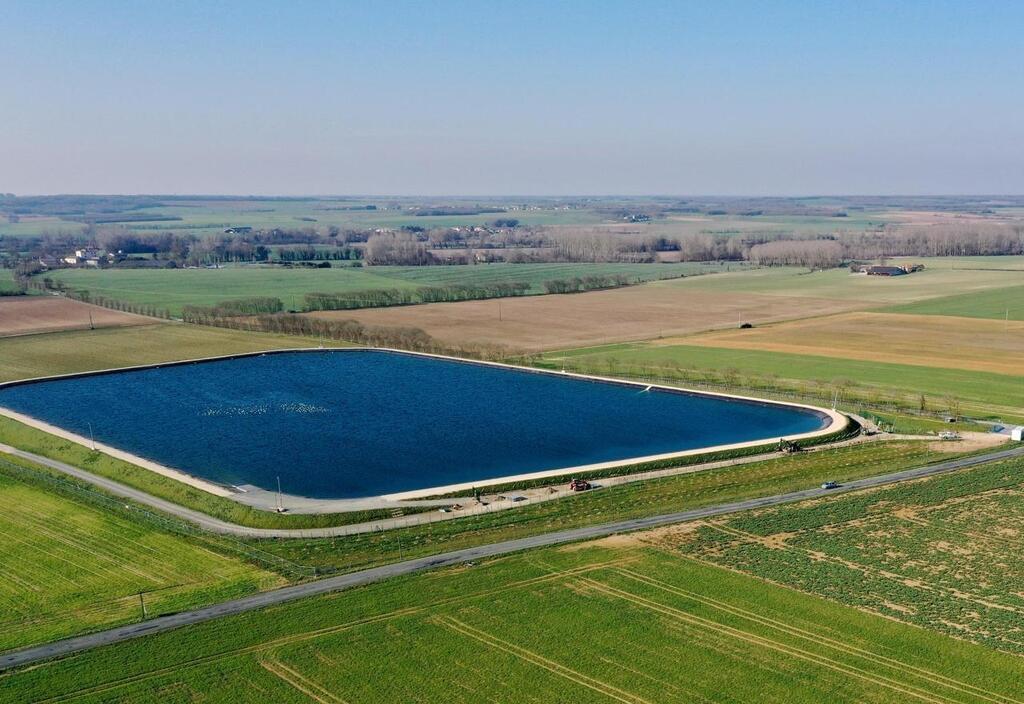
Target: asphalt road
<point x="61" y="648"/>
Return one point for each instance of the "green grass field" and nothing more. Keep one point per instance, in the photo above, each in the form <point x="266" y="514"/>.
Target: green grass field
<point x="941" y="553"/>
<point x="873" y="291"/>
<point x="7" y="283"/>
<point x="69" y="567"/>
<point x="171" y="289"/>
<point x="984" y="394"/>
<point x="30" y="356"/>
<point x="998" y="304"/>
<point x="602" y="622"/>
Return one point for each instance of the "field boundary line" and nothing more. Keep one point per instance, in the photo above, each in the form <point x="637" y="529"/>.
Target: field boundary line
<point x="300" y="682"/>
<point x="551" y="666"/>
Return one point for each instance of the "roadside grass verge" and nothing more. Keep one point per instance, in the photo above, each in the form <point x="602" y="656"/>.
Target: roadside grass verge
<point x="606" y="622"/>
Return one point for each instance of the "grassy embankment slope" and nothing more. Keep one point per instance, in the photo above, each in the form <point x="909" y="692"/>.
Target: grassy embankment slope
<point x="606" y="621"/>
<point x="171" y="289"/>
<point x="70" y="566"/>
<point x="632" y="500"/>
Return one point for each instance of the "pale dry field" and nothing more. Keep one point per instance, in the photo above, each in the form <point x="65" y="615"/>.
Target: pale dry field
<point x="21" y="315"/>
<point x="575" y="320"/>
<point x="926" y="340"/>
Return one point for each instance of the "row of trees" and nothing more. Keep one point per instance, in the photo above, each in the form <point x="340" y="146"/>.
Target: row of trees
<point x="395" y="337"/>
<point x="403" y="248"/>
<point x="115" y="304"/>
<point x="255" y="305"/>
<point x="379" y="298"/>
<point x="312" y="254"/>
<point x="586" y="283"/>
<point x="814" y="254"/>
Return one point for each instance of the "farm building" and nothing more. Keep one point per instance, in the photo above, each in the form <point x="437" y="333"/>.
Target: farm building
<point x="886" y="270"/>
<point x="1017" y="433"/>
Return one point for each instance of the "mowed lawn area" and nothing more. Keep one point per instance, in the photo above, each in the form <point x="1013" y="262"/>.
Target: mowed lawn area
<point x="611" y="621"/>
<point x="70" y="567"/>
<point x="984" y="393"/>
<point x="942" y="553"/>
<point x="973" y="344"/>
<point x="170" y="289"/>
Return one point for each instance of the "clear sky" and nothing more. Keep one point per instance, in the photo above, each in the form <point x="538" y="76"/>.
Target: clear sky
<point x="511" y="97"/>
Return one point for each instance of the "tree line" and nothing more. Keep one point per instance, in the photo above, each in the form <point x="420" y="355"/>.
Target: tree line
<point x="254" y="305"/>
<point x="587" y="283"/>
<point x="380" y="298"/>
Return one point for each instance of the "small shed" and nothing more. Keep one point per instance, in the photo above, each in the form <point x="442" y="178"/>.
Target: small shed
<point x="1017" y="433"/>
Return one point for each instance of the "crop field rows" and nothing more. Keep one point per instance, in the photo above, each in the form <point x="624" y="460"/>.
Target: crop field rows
<point x="943" y="553"/>
<point x="69" y="568"/>
<point x="605" y="622"/>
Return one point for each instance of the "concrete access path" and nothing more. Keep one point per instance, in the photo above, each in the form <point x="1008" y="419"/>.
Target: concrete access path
<point x="29" y="656"/>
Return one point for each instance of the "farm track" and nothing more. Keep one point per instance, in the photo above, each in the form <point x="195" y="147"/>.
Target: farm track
<point x="36" y="654"/>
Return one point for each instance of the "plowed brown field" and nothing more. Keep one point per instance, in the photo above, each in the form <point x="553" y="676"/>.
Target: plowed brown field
<point x="573" y="320"/>
<point x="21" y="315"/>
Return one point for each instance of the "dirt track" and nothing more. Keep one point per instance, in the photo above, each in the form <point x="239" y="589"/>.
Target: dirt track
<point x="22" y="315"/>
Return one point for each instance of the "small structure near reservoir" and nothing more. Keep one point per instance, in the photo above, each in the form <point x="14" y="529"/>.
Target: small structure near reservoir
<point x="1017" y="433"/>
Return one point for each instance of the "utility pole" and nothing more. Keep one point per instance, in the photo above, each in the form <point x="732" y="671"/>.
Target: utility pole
<point x="142" y="603"/>
<point x="91" y="325"/>
<point x="92" y="438"/>
<point x="280" y="507"/>
<point x="499" y="310"/>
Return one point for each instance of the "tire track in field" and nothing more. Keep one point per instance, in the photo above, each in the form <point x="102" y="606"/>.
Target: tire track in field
<point x="821" y="639"/>
<point x="533" y="658"/>
<point x="313" y="635"/>
<point x="300" y="682"/>
<point x="763" y="642"/>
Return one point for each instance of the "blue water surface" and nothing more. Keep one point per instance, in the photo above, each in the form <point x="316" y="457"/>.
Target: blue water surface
<point x="355" y="423"/>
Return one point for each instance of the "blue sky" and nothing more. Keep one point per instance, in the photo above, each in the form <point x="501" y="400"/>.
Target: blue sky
<point x="511" y="98"/>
